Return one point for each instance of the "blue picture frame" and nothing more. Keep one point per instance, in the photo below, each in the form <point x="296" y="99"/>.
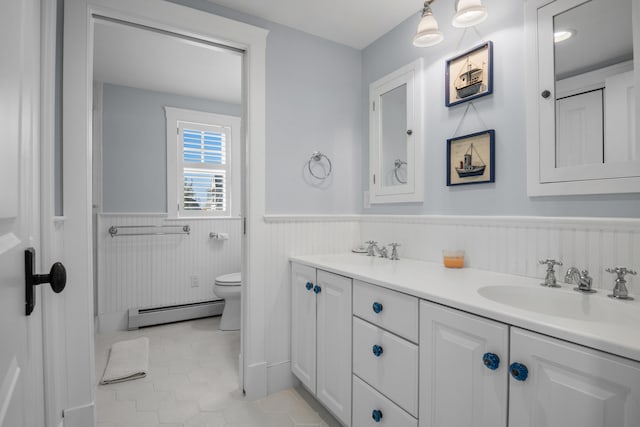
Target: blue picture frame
<point x="462" y="167"/>
<point x="472" y="74"/>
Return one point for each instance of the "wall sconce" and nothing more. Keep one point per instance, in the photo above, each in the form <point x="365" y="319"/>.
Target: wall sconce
<point x="428" y="33"/>
<point x="468" y="14"/>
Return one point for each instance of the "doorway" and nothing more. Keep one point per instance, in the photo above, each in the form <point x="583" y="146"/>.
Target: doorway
<point x="167" y="213"/>
<point x="80" y="18"/>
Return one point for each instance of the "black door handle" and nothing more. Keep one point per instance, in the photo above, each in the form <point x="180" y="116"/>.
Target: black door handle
<point x="57" y="277"/>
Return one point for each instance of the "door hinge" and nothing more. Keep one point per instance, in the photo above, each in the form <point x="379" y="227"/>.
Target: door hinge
<point x="244" y="225"/>
<point x="374" y="105"/>
<point x="374" y="178"/>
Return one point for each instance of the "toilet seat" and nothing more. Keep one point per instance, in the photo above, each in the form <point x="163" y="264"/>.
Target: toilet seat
<point x="232" y="279"/>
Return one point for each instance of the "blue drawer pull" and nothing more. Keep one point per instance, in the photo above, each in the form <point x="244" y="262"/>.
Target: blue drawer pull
<point x="491" y="361"/>
<point x="518" y="371"/>
<point x="317" y="289"/>
<point x="309" y="285"/>
<point x="377" y="307"/>
<point x="377" y="350"/>
<point x="376" y="415"/>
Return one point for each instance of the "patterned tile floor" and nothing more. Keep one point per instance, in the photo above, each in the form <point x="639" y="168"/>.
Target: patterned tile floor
<point x="193" y="382"/>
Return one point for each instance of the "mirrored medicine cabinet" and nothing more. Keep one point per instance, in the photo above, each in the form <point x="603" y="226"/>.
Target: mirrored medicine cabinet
<point x="395" y="136"/>
<point x="580" y="80"/>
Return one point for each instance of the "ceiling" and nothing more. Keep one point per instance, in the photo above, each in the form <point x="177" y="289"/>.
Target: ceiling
<point x="355" y="23"/>
<point x="134" y="57"/>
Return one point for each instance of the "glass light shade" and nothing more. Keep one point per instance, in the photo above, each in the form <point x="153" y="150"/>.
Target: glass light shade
<point x="469" y="13"/>
<point x="428" y="33"/>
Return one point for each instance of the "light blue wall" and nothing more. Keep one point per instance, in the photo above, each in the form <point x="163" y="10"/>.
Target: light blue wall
<point x="134" y="146"/>
<point x="503" y="111"/>
<point x="313" y="102"/>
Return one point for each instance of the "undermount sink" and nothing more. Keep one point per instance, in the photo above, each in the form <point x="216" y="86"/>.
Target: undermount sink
<point x="562" y="303"/>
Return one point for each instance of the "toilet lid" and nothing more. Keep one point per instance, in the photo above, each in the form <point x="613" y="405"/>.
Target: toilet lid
<point x="232" y="279"/>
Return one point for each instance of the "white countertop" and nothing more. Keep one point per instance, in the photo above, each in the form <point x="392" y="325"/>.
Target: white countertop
<point x="458" y="288"/>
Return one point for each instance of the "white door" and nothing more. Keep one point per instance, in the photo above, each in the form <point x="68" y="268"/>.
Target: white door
<point x="334" y="344"/>
<point x="463" y="367"/>
<point x="303" y="325"/>
<point x="570" y="385"/>
<point x="21" y="367"/>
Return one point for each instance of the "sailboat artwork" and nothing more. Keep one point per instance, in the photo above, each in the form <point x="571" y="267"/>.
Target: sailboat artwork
<point x="471" y="158"/>
<point x="469" y="75"/>
<point x="469" y="81"/>
<point x="467" y="168"/>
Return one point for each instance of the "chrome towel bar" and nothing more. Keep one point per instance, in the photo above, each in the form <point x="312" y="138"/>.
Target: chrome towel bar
<point x="113" y="230"/>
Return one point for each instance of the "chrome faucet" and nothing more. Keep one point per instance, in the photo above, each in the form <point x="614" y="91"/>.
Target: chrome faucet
<point x="550" y="279"/>
<point x="371" y="249"/>
<point x="581" y="279"/>
<point x="383" y="252"/>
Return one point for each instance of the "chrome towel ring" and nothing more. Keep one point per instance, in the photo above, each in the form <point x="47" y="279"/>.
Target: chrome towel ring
<point x="317" y="156"/>
<point x="398" y="164"/>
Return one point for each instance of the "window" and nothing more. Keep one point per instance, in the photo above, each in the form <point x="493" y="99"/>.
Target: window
<point x="200" y="149"/>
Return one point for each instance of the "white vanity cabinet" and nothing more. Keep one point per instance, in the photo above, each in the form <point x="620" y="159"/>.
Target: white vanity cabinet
<point x="570" y="385"/>
<point x="420" y="363"/>
<point x="321" y="337"/>
<point x="464" y="364"/>
<point x="542" y="381"/>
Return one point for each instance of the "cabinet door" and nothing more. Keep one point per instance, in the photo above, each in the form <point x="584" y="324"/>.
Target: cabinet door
<point x="456" y="388"/>
<point x="303" y="325"/>
<point x="334" y="344"/>
<point x="570" y="385"/>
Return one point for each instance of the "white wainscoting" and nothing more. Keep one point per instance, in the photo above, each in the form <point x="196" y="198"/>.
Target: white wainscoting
<point x="515" y="244"/>
<point x="287" y="236"/>
<point x="155" y="271"/>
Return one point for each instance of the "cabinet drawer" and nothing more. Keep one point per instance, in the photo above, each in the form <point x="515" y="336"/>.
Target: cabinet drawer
<point x="366" y="400"/>
<point x="394" y="372"/>
<point x="396" y="312"/>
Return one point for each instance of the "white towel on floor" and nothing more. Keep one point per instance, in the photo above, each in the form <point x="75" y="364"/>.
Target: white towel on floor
<point x="128" y="360"/>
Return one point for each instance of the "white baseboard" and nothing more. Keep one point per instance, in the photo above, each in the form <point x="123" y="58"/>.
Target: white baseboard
<point x="255" y="380"/>
<point x="279" y="377"/>
<point x="80" y="416"/>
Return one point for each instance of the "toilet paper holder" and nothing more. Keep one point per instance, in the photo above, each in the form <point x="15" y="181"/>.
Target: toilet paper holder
<point x="218" y="236"/>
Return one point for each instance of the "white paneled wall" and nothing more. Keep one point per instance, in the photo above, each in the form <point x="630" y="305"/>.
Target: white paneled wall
<point x="515" y="244"/>
<point x="156" y="271"/>
<point x="296" y="235"/>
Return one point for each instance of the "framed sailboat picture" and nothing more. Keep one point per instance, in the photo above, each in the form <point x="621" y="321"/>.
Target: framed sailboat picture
<point x="470" y="75"/>
<point x="471" y="158"/>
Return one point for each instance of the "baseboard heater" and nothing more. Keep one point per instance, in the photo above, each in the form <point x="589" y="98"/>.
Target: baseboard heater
<point x="140" y="317"/>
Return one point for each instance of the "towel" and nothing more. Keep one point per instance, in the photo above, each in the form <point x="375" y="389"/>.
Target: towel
<point x="128" y="360"/>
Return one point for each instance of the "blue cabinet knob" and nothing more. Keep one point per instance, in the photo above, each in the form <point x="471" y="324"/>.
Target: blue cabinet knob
<point x="377" y="307"/>
<point x="309" y="285"/>
<point x="317" y="289"/>
<point x="377" y="350"/>
<point x="518" y="371"/>
<point x="376" y="415"/>
<point x="491" y="361"/>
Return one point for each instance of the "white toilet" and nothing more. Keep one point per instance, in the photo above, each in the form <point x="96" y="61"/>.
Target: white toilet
<point x="228" y="287"/>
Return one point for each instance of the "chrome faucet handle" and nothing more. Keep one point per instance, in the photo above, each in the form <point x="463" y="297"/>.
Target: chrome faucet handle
<point x="371" y="248"/>
<point x="550" y="280"/>
<point x="620" y="289"/>
<point x="394" y="251"/>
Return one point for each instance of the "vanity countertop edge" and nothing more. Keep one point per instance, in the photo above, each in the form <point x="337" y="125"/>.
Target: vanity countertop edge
<point x="458" y="288"/>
